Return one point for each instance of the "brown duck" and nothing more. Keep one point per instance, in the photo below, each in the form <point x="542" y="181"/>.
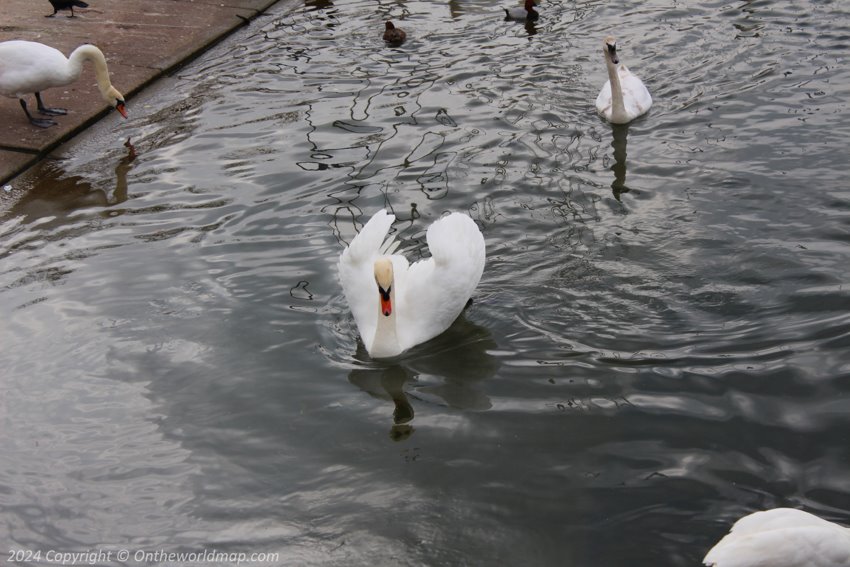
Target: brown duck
<point x="393" y="35"/>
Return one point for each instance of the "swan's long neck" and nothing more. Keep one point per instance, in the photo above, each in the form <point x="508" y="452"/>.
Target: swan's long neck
<point x="91" y="53"/>
<point x="618" y="107"/>
<point x="385" y="343"/>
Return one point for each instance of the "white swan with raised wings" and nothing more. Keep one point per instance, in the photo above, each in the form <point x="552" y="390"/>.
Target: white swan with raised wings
<point x="397" y="305"/>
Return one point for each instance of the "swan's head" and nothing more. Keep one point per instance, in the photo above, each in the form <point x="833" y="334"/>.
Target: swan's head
<point x="116" y="100"/>
<point x="610" y="49"/>
<point x="384" y="279"/>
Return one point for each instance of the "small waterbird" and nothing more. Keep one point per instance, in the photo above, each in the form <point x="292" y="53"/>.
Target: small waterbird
<point x="393" y="35"/>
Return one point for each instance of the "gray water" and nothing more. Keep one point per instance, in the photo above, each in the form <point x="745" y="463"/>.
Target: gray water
<point x="659" y="343"/>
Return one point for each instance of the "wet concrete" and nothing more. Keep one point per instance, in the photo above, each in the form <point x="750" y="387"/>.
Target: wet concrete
<point x="142" y="40"/>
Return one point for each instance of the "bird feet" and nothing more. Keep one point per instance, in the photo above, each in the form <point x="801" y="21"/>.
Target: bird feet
<point x="43" y="122"/>
<point x="52" y="111"/>
<point x="43" y="109"/>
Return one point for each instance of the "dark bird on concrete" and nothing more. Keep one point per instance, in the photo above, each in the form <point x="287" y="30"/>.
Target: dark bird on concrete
<point x="66" y="5"/>
<point x="393" y="35"/>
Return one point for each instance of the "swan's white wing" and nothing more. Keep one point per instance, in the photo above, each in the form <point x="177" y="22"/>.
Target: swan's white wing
<point x="636" y="97"/>
<point x="357" y="273"/>
<point x="436" y="290"/>
<point x="604" y="100"/>
<point x="782" y="537"/>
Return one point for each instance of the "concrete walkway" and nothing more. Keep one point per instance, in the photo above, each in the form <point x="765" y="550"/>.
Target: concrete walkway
<point x="142" y="40"/>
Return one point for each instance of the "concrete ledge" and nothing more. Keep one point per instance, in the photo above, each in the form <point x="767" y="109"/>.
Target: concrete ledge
<point x="142" y="40"/>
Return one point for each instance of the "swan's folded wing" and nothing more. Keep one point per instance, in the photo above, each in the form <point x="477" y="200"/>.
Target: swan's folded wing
<point x="437" y="289"/>
<point x="356" y="272"/>
<point x="635" y="94"/>
<point x="604" y="100"/>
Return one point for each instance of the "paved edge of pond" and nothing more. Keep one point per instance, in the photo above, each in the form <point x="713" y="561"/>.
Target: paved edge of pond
<point x="143" y="40"/>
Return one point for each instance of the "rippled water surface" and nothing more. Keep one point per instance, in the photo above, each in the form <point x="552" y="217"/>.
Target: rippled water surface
<point x="660" y="342"/>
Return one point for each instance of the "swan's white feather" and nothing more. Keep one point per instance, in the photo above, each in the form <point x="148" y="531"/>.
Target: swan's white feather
<point x="782" y="537"/>
<point x="636" y="97"/>
<point x="437" y="289"/>
<point x="430" y="294"/>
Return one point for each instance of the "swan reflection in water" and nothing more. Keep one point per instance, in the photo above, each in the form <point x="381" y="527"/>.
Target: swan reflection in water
<point x="446" y="371"/>
<point x="621" y="134"/>
<point x="54" y="194"/>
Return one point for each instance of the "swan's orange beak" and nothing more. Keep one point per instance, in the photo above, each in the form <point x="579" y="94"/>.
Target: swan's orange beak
<point x="121" y="108"/>
<point x="386" y="301"/>
<point x="386" y="306"/>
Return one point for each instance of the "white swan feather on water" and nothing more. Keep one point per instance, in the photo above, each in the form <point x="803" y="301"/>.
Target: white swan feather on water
<point x="397" y="305"/>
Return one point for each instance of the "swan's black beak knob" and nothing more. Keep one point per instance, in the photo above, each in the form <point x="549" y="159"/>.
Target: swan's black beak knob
<point x="612" y="52"/>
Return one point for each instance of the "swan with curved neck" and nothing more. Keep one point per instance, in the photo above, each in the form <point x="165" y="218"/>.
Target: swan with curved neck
<point x="397" y="306"/>
<point x="782" y="537"/>
<point x="624" y="97"/>
<point x="30" y="67"/>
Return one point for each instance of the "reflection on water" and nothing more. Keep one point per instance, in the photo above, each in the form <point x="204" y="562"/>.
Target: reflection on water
<point x="56" y="194"/>
<point x="658" y="345"/>
<point x="620" y="134"/>
<point x="388" y="383"/>
<point x="447" y="370"/>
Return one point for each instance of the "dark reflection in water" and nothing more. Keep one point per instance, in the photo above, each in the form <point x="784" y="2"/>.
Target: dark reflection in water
<point x="620" y="133"/>
<point x="56" y="194"/>
<point x="389" y="383"/>
<point x="447" y="370"/>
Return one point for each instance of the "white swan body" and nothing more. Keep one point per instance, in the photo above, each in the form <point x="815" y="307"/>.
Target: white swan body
<point x="623" y="97"/>
<point x="397" y="306"/>
<point x="782" y="537"/>
<point x="28" y="67"/>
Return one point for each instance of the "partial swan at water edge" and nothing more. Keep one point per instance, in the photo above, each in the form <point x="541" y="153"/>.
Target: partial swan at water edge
<point x="782" y="537"/>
